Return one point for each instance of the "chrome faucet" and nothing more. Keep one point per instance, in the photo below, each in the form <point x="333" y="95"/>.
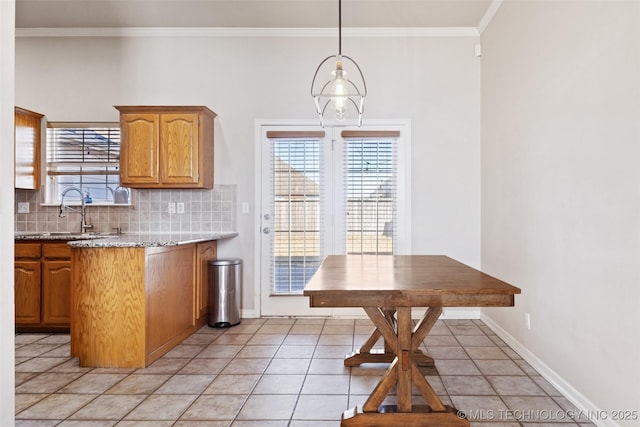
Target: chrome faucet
<point x="83" y="209"/>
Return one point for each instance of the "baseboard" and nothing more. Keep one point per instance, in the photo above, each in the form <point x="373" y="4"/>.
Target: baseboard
<point x="460" y="313"/>
<point x="249" y="314"/>
<point x="596" y="415"/>
<point x="450" y="313"/>
<point x="447" y="313"/>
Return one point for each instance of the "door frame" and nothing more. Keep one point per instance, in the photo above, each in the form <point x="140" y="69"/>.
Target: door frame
<point x="403" y="244"/>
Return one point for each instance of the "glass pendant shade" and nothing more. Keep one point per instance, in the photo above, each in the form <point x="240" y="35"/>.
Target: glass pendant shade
<point x="340" y="100"/>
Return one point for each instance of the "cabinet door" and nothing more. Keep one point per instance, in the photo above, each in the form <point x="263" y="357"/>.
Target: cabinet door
<point x="56" y="292"/>
<point x="139" y="149"/>
<point x="179" y="152"/>
<point x="204" y="253"/>
<point x="27" y="149"/>
<point x="27" y="292"/>
<point x="170" y="275"/>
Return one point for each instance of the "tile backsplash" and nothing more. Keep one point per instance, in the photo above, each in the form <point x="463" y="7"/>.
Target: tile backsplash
<point x="204" y="211"/>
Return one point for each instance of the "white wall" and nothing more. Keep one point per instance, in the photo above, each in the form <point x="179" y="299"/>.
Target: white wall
<point x="432" y="81"/>
<point x="7" y="356"/>
<point x="561" y="188"/>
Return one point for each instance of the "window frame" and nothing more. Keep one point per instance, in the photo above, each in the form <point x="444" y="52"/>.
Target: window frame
<point x="53" y="196"/>
<point x="364" y="234"/>
<point x="402" y="213"/>
<point x="290" y="205"/>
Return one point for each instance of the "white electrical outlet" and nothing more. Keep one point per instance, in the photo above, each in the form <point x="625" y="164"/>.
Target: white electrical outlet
<point x="23" y="207"/>
<point x="245" y="207"/>
<point x="180" y="208"/>
<point x="172" y="207"/>
<point x="527" y="321"/>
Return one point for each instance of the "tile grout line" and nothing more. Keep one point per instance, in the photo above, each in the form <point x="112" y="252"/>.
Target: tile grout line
<point x="315" y="347"/>
<point x="476" y="366"/>
<point x="324" y="331"/>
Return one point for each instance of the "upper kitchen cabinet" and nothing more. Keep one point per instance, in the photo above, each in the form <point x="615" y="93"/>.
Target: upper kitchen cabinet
<point x="166" y="147"/>
<point x="27" y="149"/>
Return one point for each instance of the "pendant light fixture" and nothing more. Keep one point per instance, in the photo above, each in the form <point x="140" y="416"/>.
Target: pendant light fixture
<point x="339" y="101"/>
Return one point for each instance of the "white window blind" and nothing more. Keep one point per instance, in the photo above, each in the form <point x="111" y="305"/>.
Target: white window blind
<point x="85" y="156"/>
<point x="370" y="178"/>
<point x="296" y="173"/>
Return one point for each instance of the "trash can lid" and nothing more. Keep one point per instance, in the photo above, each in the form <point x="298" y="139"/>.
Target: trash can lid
<point x="224" y="262"/>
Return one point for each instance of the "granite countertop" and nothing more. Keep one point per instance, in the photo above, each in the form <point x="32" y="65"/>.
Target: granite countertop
<point x="62" y="236"/>
<point x="125" y="240"/>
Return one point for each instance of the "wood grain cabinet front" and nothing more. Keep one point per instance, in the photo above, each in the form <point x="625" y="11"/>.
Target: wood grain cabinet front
<point x="139" y="149"/>
<point x="131" y="305"/>
<point x="42" y="273"/>
<point x="56" y="284"/>
<point x="27" y="148"/>
<point x="166" y="147"/>
<point x="205" y="252"/>
<point x="26" y="275"/>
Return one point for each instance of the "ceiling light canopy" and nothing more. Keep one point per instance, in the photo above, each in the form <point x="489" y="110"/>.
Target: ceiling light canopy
<point x="340" y="100"/>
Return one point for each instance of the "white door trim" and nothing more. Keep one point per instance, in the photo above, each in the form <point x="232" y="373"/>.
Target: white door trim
<point x="403" y="242"/>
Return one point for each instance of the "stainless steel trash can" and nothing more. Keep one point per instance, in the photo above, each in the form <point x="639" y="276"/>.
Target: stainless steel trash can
<point x="225" y="282"/>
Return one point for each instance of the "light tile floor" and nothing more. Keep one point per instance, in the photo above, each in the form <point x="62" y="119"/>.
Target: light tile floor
<point x="276" y="372"/>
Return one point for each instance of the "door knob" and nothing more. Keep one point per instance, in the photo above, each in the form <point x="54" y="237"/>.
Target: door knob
<point x="266" y="230"/>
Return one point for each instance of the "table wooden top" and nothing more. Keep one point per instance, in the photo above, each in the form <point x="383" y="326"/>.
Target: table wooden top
<point x="404" y="280"/>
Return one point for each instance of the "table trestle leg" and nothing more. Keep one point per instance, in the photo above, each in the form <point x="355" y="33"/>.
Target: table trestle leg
<point x="420" y="333"/>
<point x="355" y="418"/>
<point x="403" y="372"/>
<point x="390" y="315"/>
<point x="366" y="354"/>
<point x="382" y="389"/>
<point x="381" y="322"/>
<point x="427" y="392"/>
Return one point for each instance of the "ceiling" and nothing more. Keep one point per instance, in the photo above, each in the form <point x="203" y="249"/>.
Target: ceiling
<point x="249" y="13"/>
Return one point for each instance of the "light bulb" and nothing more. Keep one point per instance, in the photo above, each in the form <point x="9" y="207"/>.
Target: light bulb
<point x="338" y="90"/>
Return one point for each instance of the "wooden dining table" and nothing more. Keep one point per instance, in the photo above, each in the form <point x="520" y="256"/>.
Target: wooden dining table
<point x="388" y="287"/>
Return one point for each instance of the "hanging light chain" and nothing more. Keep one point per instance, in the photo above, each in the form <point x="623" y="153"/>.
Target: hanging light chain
<point x="340" y="27"/>
<point x="340" y="91"/>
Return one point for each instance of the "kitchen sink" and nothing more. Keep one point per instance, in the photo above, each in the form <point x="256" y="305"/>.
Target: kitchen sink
<point x="66" y="234"/>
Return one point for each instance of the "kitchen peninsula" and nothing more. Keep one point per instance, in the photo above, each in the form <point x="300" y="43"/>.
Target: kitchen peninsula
<point x="136" y="296"/>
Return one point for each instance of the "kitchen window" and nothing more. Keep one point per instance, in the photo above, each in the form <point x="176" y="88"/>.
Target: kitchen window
<point x="85" y="156"/>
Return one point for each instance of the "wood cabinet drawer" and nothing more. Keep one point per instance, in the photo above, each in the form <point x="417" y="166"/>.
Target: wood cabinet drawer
<point x="56" y="250"/>
<point x="27" y="250"/>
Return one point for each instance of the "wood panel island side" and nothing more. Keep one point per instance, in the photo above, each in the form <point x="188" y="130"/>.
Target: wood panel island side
<point x="134" y="298"/>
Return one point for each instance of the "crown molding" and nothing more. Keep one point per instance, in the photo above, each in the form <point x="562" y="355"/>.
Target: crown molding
<point x="488" y="15"/>
<point x="367" y="32"/>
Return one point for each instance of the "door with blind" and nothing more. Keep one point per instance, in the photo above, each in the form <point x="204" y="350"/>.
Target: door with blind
<point x="324" y="192"/>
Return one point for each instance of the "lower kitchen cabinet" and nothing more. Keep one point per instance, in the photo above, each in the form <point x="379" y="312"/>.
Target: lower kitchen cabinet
<point x="42" y="273"/>
<point x="56" y="300"/>
<point x="27" y="292"/>
<point x="205" y="252"/>
<point x="131" y="305"/>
